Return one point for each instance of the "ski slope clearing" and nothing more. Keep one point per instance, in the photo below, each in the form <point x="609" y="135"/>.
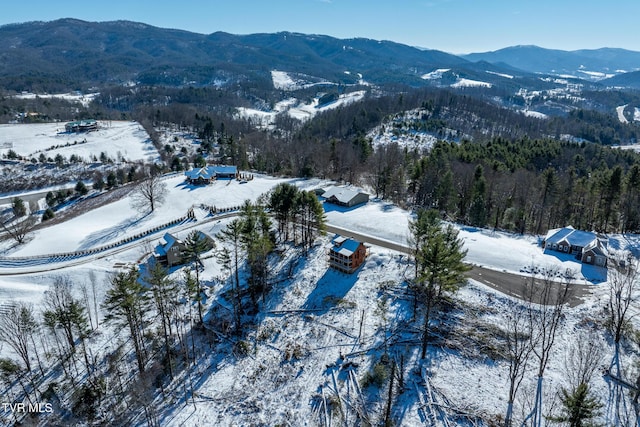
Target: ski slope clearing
<point x="436" y="74"/>
<point x="286" y="81"/>
<point x="119" y="140"/>
<point x="297" y="109"/>
<point x="462" y="82"/>
<point x="620" y="113"/>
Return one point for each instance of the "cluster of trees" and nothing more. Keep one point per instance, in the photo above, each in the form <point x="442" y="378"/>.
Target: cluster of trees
<point x="54" y="341"/>
<point x="530" y="185"/>
<point x="299" y="214"/>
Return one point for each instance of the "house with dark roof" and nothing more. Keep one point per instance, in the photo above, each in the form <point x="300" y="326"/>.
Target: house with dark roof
<point x="345" y="196"/>
<point x="208" y="174"/>
<point x="346" y="254"/>
<point x="585" y="245"/>
<point x="81" y="126"/>
<point x="170" y="250"/>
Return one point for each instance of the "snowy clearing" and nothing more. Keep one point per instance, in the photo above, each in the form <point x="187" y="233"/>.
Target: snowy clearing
<point x="296" y="109"/>
<point x="462" y="82"/>
<point x="84" y="99"/>
<point x="536" y="114"/>
<point x="620" y="112"/>
<point x="284" y="81"/>
<point x="123" y="140"/>
<point x="506" y="76"/>
<point x="436" y="74"/>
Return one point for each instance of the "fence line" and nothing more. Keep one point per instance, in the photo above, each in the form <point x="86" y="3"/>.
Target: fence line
<point x="15" y="262"/>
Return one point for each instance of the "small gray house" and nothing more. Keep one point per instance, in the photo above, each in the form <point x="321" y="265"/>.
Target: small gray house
<point x="345" y="196"/>
<point x="588" y="247"/>
<point x="171" y="250"/>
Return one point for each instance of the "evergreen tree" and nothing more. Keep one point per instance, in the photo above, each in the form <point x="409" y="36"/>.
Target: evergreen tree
<point x="439" y="265"/>
<point x="258" y="242"/>
<point x="165" y="298"/>
<point x="478" y="209"/>
<point x="98" y="182"/>
<point x="579" y="407"/>
<point x="282" y="202"/>
<point x="631" y="201"/>
<point x="18" y="207"/>
<point x="81" y="188"/>
<point x="311" y="218"/>
<point x="50" y="198"/>
<point x="112" y="180"/>
<point x="48" y="214"/>
<point x="196" y="244"/>
<point x="127" y="304"/>
<point x="65" y="312"/>
<point x="233" y="234"/>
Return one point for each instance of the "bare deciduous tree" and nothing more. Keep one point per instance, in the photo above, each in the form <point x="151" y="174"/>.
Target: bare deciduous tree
<point x="583" y="358"/>
<point x="518" y="352"/>
<point x="623" y="287"/>
<point x="545" y="318"/>
<point x="623" y="283"/>
<point x="17" y="229"/>
<point x="17" y="325"/>
<point x="149" y="193"/>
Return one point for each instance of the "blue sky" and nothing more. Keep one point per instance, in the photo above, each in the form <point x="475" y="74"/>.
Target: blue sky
<point x="456" y="26"/>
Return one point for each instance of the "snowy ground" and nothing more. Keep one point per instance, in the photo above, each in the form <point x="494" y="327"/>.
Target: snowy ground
<point x="462" y="82"/>
<point x="119" y="140"/>
<point x="295" y="356"/>
<point x="620" y="113"/>
<point x="297" y="109"/>
<point x="84" y="99"/>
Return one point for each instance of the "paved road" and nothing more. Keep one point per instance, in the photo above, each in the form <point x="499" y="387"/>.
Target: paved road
<point x="507" y="283"/>
<point x="519" y="286"/>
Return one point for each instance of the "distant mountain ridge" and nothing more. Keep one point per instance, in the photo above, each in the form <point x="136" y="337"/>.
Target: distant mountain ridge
<point x="595" y="63"/>
<point x="74" y="54"/>
<point x="74" y="50"/>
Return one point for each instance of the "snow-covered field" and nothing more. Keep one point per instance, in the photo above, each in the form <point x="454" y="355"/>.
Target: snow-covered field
<point x="84" y="99"/>
<point x="536" y="114"/>
<point x="119" y="140"/>
<point x="506" y="76"/>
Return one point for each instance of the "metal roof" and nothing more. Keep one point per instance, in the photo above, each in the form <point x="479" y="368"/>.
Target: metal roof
<point x="344" y="245"/>
<point x="572" y="236"/>
<point x="209" y="172"/>
<point x="342" y="194"/>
